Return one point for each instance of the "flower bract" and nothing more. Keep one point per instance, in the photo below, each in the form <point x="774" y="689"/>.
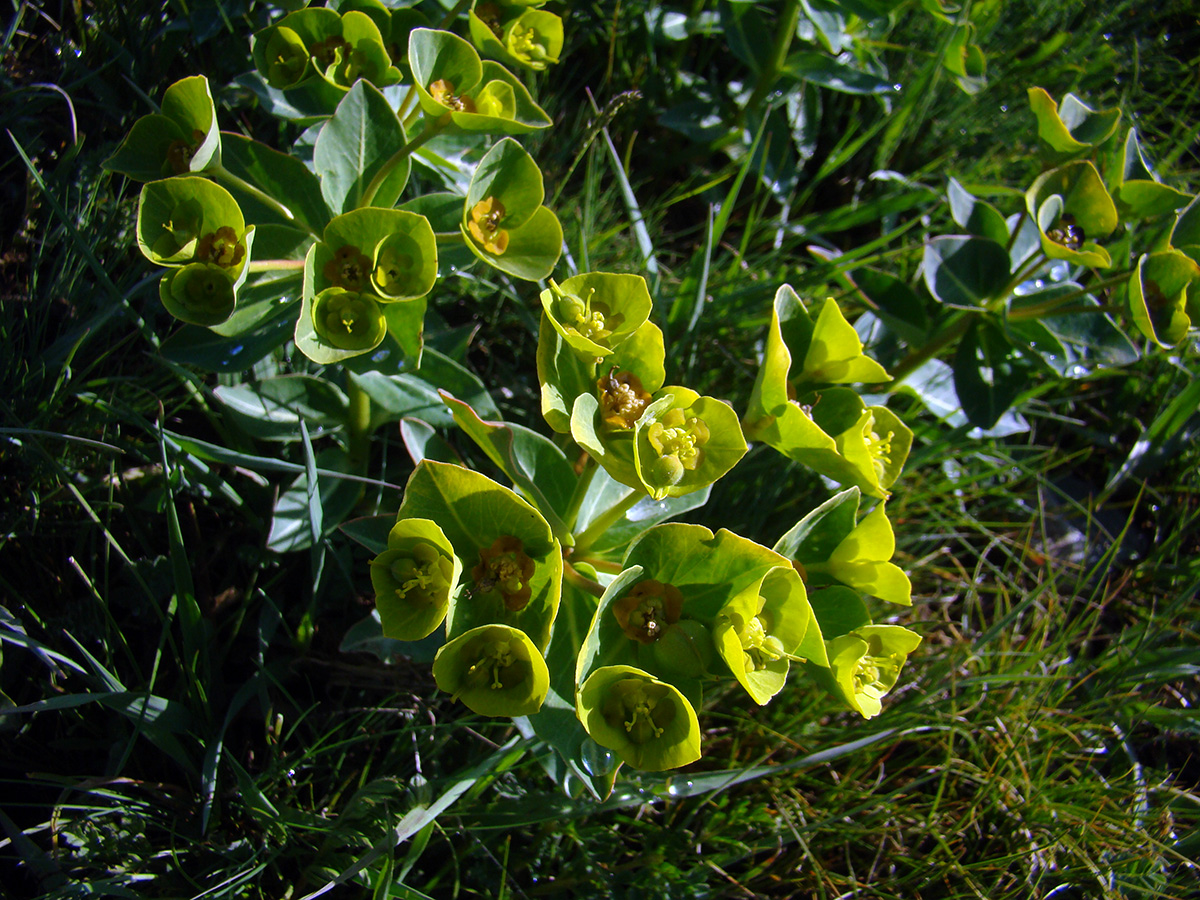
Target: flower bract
<point x="495" y="670"/>
<point x="647" y="722"/>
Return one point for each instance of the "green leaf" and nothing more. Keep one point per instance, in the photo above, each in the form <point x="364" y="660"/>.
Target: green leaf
<point x="146" y="152"/>
<point x="977" y="216"/>
<point x="508" y="174"/>
<point x="354" y="146"/>
<point x="838" y="610"/>
<point x="1073" y="345"/>
<point x="535" y="465"/>
<point x="1186" y="231"/>
<point x="1158" y="296"/>
<point x="1071" y="129"/>
<point x="415" y="393"/>
<point x="475" y="513"/>
<point x="829" y="73"/>
<point x="965" y="271"/>
<point x="280" y="175"/>
<point x="896" y="303"/>
<point x="272" y="409"/>
<point x="865" y="664"/>
<point x="747" y="35"/>
<point x="291" y="518"/>
<point x="989" y="374"/>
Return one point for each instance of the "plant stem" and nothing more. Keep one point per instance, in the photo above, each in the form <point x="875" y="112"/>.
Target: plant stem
<point x="785" y="27"/>
<point x="584" y="584"/>
<point x="604" y="521"/>
<point x="223" y="174"/>
<point x="275" y="265"/>
<point x="358" y="426"/>
<point x="581" y="489"/>
<point x="432" y="127"/>
<point x="454" y="14"/>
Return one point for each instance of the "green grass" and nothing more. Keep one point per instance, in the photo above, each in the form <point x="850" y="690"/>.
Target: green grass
<point x="1042" y="743"/>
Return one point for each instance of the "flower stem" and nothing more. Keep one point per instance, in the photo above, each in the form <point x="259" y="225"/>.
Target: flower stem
<point x="604" y="521"/>
<point x="572" y="576"/>
<point x="358" y="426"/>
<point x="785" y="30"/>
<point x="223" y="174"/>
<point x="275" y="265"/>
<point x="581" y="489"/>
<point x="432" y="128"/>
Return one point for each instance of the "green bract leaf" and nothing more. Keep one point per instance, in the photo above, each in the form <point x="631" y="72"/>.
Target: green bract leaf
<point x="761" y="628"/>
<point x="827" y="542"/>
<point x="495" y="670"/>
<point x="865" y="664"/>
<point x="684" y="442"/>
<point x="503" y="221"/>
<point x="390" y="252"/>
<point x="1073" y="210"/>
<point x="836" y="434"/>
<point x="175" y="215"/>
<point x="511" y="559"/>
<point x="531" y="38"/>
<point x="353" y="147"/>
<point x="1140" y="194"/>
<point x="1158" y="296"/>
<point x="1071" y="129"/>
<point x="595" y="312"/>
<point x="205" y="293"/>
<point x="485" y="97"/>
<point x="646" y="722"/>
<point x="413" y="579"/>
<point x="183" y="138"/>
<point x="835" y="354"/>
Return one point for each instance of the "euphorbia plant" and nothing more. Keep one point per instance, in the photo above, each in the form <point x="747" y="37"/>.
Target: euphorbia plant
<point x="561" y="598"/>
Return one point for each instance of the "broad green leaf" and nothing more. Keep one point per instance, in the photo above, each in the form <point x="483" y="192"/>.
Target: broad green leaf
<point x="822" y="70"/>
<point x="614" y="451"/>
<point x="1186" y="231"/>
<point x="206" y="349"/>
<point x="147" y="152"/>
<point x="404" y="392"/>
<point x="476" y="513"/>
<point x="1158" y="296"/>
<point x="989" y="374"/>
<point x="535" y="465"/>
<point x="838" y="610"/>
<point x="965" y="271"/>
<point x="896" y="303"/>
<point x="746" y="34"/>
<point x="273" y="408"/>
<point x="977" y="216"/>
<point x="965" y="60"/>
<point x="508" y="174"/>
<point x="1073" y="345"/>
<point x="835" y="353"/>
<point x="355" y="146"/>
<point x="281" y="176"/>
<point x="291" y="518"/>
<point x="603" y="492"/>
